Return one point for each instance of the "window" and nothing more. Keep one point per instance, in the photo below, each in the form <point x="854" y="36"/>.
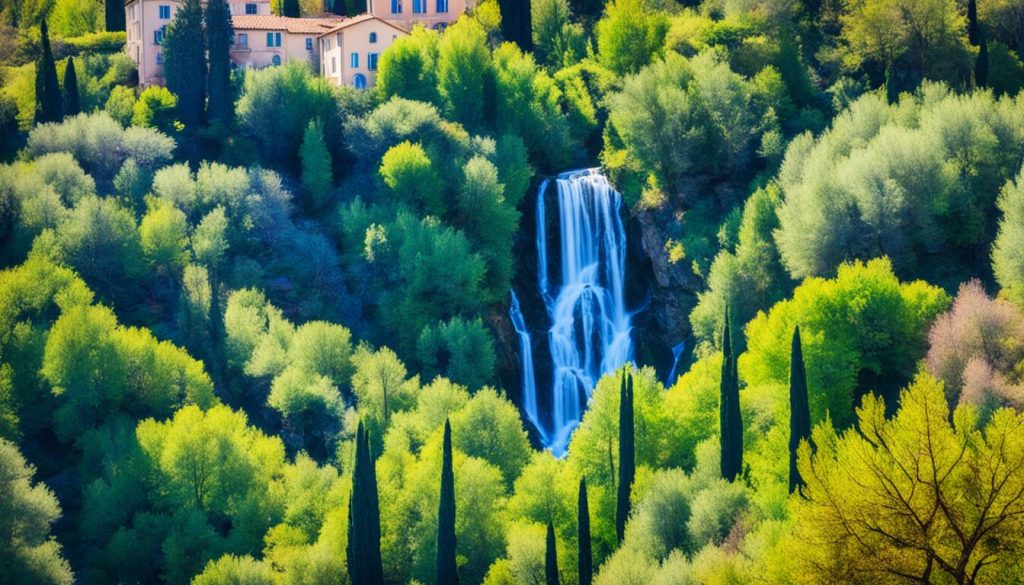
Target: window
<point x="419" y="6"/>
<point x="276" y="60"/>
<point x="442" y="6"/>
<point x="334" y="64"/>
<point x="373" y="37"/>
<point x="396" y="6"/>
<point x="355" y="60"/>
<point x="359" y="81"/>
<point x="371" y="61"/>
<point x="243" y="40"/>
<point x="273" y="39"/>
<point x="165" y="12"/>
<point x="251" y="8"/>
<point x="159" y="58"/>
<point x="309" y="43"/>
<point x="158" y="35"/>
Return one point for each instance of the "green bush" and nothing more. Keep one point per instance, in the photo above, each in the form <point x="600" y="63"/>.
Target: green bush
<point x="97" y="42"/>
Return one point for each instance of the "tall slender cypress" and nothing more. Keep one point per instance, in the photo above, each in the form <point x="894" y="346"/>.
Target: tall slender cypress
<point x="627" y="455"/>
<point x="72" y="103"/>
<point x="48" y="99"/>
<point x="184" y="49"/>
<point x="729" y="419"/>
<point x="981" y="64"/>
<point x="114" y="15"/>
<point x="973" y="31"/>
<point x="447" y="571"/>
<point x="364" y="558"/>
<point x="516" y="25"/>
<point x="290" y="8"/>
<point x="550" y="558"/>
<point x="220" y="108"/>
<point x="585" y="557"/>
<point x="799" y="409"/>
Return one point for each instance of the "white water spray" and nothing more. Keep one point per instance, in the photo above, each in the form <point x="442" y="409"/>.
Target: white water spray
<point x="589" y="333"/>
<point x="526" y="359"/>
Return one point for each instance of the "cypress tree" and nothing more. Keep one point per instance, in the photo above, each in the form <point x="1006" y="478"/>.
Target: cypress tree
<point x="981" y="64"/>
<point x="220" y="109"/>
<point x="72" y="103"/>
<point x="316" y="166"/>
<point x="973" y="32"/>
<point x="290" y="8"/>
<point x="48" y="98"/>
<point x="447" y="572"/>
<point x="114" y="15"/>
<point x="185" y="62"/>
<point x="729" y="419"/>
<point x="516" y="22"/>
<point x="892" y="90"/>
<point x="627" y="455"/>
<point x="550" y="558"/>
<point x="799" y="409"/>
<point x="585" y="558"/>
<point x="364" y="558"/>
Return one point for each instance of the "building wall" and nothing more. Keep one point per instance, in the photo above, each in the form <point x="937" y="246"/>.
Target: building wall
<point x="259" y="55"/>
<point x="143" y="20"/>
<point x="429" y="17"/>
<point x="337" y="49"/>
<point x="239" y="6"/>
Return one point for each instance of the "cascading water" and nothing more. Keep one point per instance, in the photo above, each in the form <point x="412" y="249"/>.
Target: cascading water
<point x="526" y="359"/>
<point x="589" y="332"/>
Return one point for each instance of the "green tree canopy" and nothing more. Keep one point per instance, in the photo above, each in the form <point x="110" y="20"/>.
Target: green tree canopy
<point x="861" y="474"/>
<point x="861" y="332"/>
<point x="27" y="511"/>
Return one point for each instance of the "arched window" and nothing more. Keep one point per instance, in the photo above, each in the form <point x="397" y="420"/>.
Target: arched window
<point x="276" y="60"/>
<point x="373" y="37"/>
<point x="360" y="81"/>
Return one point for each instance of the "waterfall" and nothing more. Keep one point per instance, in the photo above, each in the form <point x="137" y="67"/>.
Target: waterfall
<point x="589" y="326"/>
<point x="677" y="353"/>
<point x="526" y="359"/>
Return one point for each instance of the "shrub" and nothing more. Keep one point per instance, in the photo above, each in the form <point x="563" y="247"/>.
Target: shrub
<point x="155" y="108"/>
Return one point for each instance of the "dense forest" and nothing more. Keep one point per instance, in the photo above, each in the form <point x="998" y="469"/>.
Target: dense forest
<point x="254" y="327"/>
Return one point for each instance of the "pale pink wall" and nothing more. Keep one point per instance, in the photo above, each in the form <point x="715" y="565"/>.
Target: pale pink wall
<point x="336" y="62"/>
<point x="142" y="19"/>
<point x="238" y="6"/>
<point x="431" y="18"/>
<point x="260" y="55"/>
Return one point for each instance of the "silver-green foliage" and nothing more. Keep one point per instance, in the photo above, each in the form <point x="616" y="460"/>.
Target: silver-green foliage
<point x="908" y="180"/>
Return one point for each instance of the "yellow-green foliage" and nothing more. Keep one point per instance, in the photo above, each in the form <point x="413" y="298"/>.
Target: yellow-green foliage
<point x="853" y="523"/>
<point x="860" y="330"/>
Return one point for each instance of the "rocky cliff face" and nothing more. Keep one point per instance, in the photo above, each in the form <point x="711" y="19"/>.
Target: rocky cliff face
<point x="666" y="291"/>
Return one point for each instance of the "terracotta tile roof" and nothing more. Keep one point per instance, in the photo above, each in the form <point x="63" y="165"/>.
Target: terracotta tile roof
<point x="362" y="18"/>
<point x="314" y="26"/>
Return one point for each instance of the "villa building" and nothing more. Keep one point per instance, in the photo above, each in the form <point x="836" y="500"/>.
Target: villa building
<point x="344" y="50"/>
<point x="350" y="51"/>
<point x="435" y="14"/>
<point x="267" y="40"/>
